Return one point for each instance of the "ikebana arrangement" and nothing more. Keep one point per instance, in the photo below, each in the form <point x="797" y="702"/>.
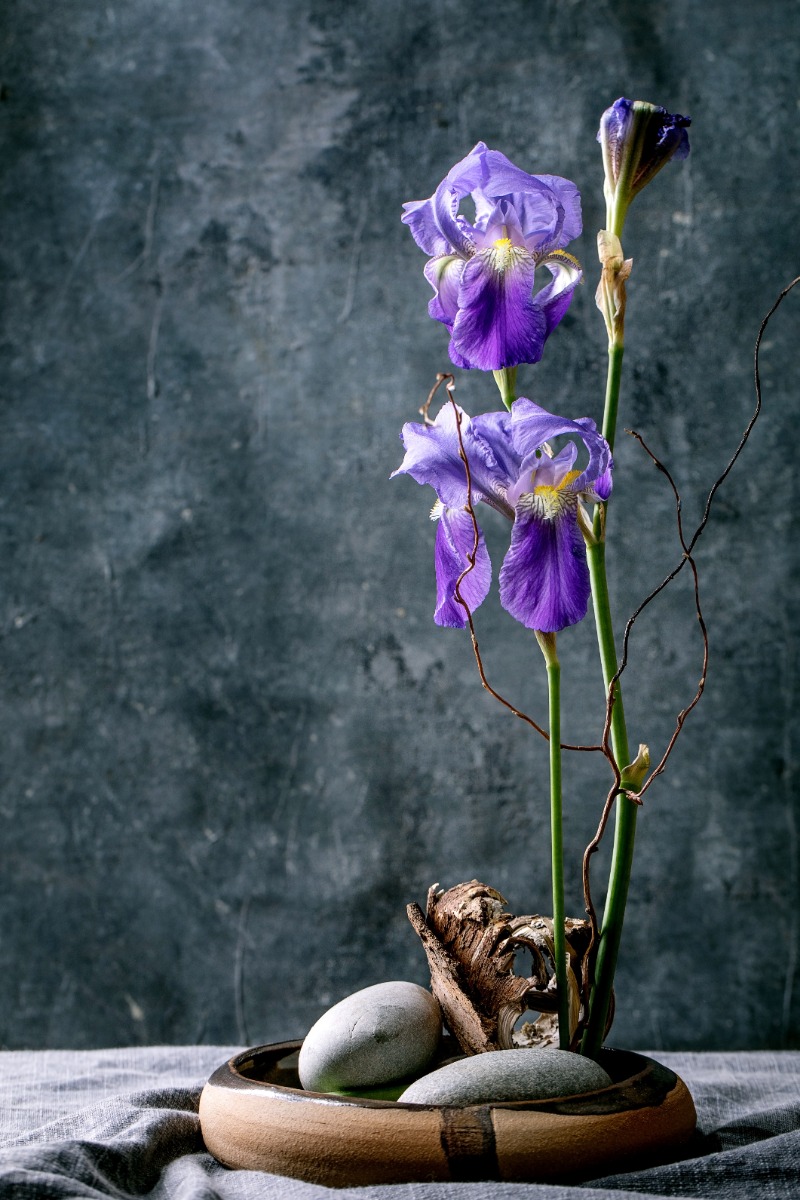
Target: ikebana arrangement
<point x="375" y="1092"/>
<point x="484" y="276"/>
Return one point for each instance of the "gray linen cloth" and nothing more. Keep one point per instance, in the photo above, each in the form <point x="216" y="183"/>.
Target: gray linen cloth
<point x="123" y="1123"/>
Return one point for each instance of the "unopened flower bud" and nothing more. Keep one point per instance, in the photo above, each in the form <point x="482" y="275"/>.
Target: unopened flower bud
<point x="638" y="139"/>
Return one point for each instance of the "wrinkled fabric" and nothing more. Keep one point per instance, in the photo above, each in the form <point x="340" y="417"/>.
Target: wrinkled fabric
<point x="123" y="1123"/>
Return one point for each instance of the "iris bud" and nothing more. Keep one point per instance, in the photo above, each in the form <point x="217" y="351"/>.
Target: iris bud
<point x="638" y="139"/>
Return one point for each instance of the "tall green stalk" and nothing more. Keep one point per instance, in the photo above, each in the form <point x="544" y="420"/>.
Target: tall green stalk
<point x="506" y="381"/>
<point x="626" y="810"/>
<point x="637" y="139"/>
<point x="547" y="642"/>
<point x="625" y="822"/>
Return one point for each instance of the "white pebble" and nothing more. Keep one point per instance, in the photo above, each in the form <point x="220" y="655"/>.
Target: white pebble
<point x="382" y="1033"/>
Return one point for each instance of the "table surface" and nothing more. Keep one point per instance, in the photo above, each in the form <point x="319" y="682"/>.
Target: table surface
<point x="123" y="1123"/>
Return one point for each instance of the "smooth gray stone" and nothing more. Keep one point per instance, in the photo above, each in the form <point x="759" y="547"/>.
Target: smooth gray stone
<point x="384" y="1032"/>
<point x="508" y="1075"/>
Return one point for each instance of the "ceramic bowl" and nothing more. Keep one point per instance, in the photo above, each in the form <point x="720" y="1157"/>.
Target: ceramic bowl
<point x="255" y="1115"/>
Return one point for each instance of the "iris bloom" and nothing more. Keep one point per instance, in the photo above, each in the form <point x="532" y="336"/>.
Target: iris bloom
<point x="544" y="580"/>
<point x="638" y="139"/>
<point x="483" y="271"/>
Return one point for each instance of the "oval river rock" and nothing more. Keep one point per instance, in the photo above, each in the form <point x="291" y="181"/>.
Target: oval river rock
<point x="508" y="1075"/>
<point x="386" y="1032"/>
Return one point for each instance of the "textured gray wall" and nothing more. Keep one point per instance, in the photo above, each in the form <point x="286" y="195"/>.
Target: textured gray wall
<point x="234" y="743"/>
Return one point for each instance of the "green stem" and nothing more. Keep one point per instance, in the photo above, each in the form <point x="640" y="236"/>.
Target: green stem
<point x="625" y="821"/>
<point x="547" y="641"/>
<point x="616" y="351"/>
<point x="626" y="811"/>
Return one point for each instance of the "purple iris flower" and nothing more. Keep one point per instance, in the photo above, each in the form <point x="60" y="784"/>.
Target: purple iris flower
<point x="544" y="580"/>
<point x="638" y="139"/>
<point x="483" y="272"/>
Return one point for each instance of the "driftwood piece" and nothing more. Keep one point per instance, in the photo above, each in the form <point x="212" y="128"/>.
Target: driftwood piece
<point x="471" y="943"/>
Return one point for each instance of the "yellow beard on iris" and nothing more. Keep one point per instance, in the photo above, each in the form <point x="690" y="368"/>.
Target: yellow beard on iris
<point x="548" y="502"/>
<point x="504" y="255"/>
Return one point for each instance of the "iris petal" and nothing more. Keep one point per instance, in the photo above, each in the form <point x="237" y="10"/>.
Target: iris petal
<point x="544" y="580"/>
<point x="455" y="540"/>
<point x="456" y="232"/>
<point x="489" y="442"/>
<point x="532" y="426"/>
<point x="470" y="172"/>
<point x="542" y="197"/>
<point x="601" y="488"/>
<point x="485" y="208"/>
<point x="444" y="275"/>
<point x="570" y="200"/>
<point x="502" y="222"/>
<point x="498" y="324"/>
<point x="556" y="297"/>
<point x="540" y="218"/>
<point x="432" y="456"/>
<point x="419" y="216"/>
<point x="502" y="178"/>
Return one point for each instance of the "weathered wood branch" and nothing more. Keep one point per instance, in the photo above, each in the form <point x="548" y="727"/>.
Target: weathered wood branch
<point x="471" y="944"/>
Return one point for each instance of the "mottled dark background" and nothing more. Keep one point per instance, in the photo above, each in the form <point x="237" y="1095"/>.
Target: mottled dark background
<point x="234" y="744"/>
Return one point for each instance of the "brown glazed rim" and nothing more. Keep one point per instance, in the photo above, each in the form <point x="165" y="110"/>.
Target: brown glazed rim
<point x="639" y="1082"/>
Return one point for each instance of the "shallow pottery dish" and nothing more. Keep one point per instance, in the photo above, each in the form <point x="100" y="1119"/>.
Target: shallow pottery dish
<point x="254" y="1115"/>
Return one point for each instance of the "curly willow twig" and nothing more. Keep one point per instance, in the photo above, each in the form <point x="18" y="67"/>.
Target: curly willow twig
<point x="636" y="796"/>
<point x="450" y="386"/>
<point x="448" y="379"/>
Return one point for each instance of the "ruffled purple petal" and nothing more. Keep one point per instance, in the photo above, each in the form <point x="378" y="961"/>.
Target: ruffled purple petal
<point x="460" y="180"/>
<point x="544" y="580"/>
<point x="502" y="178"/>
<point x="601" y="488"/>
<point x="456" y="231"/>
<point x="501" y="222"/>
<point x="418" y="215"/>
<point x="532" y="426"/>
<point x="455" y="540"/>
<point x="485" y="209"/>
<point x="570" y="200"/>
<point x="434" y="223"/>
<point x="556" y="297"/>
<point x="444" y="275"/>
<point x="498" y="324"/>
<point x="457" y="359"/>
<point x="493" y="462"/>
<point x="547" y="207"/>
<point x="489" y="444"/>
<point x="469" y="174"/>
<point x="432" y="456"/>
